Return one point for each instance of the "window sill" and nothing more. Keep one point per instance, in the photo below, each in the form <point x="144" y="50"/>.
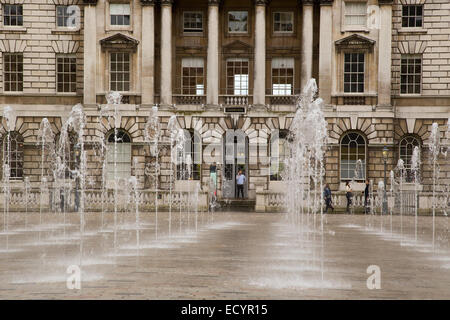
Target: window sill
<point x="355" y="29"/>
<point x="412" y="30"/>
<point x="13" y="29"/>
<point x="62" y="30"/>
<point x="119" y="28"/>
<point x="193" y="34"/>
<point x="410" y="95"/>
<point x="13" y="93"/>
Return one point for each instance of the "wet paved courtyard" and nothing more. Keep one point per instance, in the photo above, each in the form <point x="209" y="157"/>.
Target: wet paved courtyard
<point x="224" y="256"/>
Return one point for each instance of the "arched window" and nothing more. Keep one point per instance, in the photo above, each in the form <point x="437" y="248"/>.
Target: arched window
<point x="189" y="159"/>
<point x="279" y="151"/>
<point x="406" y="149"/>
<point x="118" y="155"/>
<point x="13" y="154"/>
<point x="353" y="156"/>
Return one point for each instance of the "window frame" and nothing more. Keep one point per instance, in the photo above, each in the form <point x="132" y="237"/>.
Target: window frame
<point x="187" y="87"/>
<point x="5" y="54"/>
<point x="198" y="32"/>
<point x="4" y="5"/>
<point x="239" y="33"/>
<point x="112" y="27"/>
<point x="293" y="76"/>
<point x="409" y="178"/>
<point x="409" y="57"/>
<point x="20" y="150"/>
<point x="353" y="27"/>
<point x="68" y="56"/>
<point x="416" y="5"/>
<point x="365" y="73"/>
<point x="194" y="144"/>
<point x="111" y="148"/>
<point x="130" y="71"/>
<point x="283" y="134"/>
<point x="240" y="89"/>
<point x="365" y="156"/>
<point x="274" y="22"/>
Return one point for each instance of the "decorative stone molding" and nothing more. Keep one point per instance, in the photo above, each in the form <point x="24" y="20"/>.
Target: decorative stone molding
<point x="355" y="41"/>
<point x="214" y="2"/>
<point x="412" y="47"/>
<point x="307" y="2"/>
<point x="119" y="41"/>
<point x="148" y="2"/>
<point x="407" y="1"/>
<point x="12" y="1"/>
<point x="13" y="45"/>
<point x="167" y="2"/>
<point x="65" y="46"/>
<point x="66" y="2"/>
<point x="90" y="2"/>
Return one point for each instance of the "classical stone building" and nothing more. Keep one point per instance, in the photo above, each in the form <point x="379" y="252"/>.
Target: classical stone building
<point x="236" y="66"/>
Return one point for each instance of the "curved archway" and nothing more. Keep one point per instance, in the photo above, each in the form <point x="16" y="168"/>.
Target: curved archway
<point x="13" y="154"/>
<point x="353" y="156"/>
<point x="405" y="152"/>
<point x="118" y="154"/>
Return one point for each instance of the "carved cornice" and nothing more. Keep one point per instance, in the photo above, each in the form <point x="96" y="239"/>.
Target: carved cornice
<point x="214" y="2"/>
<point x="119" y="41"/>
<point x="148" y="2"/>
<point x="167" y="2"/>
<point x="326" y="2"/>
<point x="307" y="2"/>
<point x="90" y="2"/>
<point x="355" y="41"/>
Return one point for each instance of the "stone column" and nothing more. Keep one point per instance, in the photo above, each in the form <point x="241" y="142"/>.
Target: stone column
<point x="259" y="87"/>
<point x="325" y="50"/>
<point x="307" y="42"/>
<point x="385" y="53"/>
<point x="166" y="52"/>
<point x="148" y="52"/>
<point x="212" y="66"/>
<point x="90" y="53"/>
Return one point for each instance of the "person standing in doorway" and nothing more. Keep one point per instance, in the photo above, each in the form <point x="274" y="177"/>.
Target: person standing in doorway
<point x="240" y="180"/>
<point x="349" y="195"/>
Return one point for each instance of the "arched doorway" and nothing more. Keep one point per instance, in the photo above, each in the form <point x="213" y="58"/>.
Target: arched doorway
<point x="235" y="158"/>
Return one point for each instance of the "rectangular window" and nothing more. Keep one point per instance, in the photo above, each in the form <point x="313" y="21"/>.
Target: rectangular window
<point x="283" y="22"/>
<point x="193" y="79"/>
<point x="62" y="16"/>
<point x="237" y="77"/>
<point x="410" y="74"/>
<point x="279" y="152"/>
<point x="412" y="16"/>
<point x="120" y="71"/>
<point x="354" y="72"/>
<point x="282" y="76"/>
<point x="66" y="73"/>
<point x="12" y="15"/>
<point x="237" y="21"/>
<point x="120" y="155"/>
<point x="355" y="13"/>
<point x="13" y="71"/>
<point x="120" y="14"/>
<point x="192" y="22"/>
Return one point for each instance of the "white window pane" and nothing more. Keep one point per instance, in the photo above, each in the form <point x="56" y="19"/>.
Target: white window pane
<point x="119" y="9"/>
<point x="192" y="63"/>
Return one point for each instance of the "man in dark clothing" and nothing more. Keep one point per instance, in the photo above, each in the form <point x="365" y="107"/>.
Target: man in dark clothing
<point x="366" y="196"/>
<point x="327" y="197"/>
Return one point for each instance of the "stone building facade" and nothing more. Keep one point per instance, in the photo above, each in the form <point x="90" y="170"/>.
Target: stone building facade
<point x="236" y="66"/>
